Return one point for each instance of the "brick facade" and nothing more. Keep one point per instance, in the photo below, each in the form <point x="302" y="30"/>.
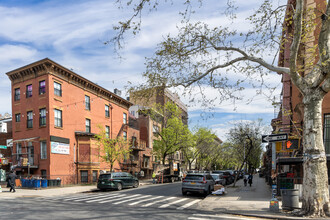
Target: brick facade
<point x="74" y="107"/>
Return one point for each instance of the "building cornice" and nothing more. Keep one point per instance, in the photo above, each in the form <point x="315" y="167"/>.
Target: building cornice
<point x="47" y="66"/>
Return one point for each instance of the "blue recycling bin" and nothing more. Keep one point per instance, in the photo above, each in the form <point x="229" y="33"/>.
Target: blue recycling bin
<point x="36" y="183"/>
<point x="23" y="181"/>
<point x="44" y="183"/>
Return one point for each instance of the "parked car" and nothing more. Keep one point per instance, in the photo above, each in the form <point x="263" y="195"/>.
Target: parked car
<point x="116" y="180"/>
<point x="198" y="182"/>
<point x="218" y="178"/>
<point x="226" y="175"/>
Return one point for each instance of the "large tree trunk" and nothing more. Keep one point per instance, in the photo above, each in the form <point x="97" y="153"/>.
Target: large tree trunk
<point x="315" y="201"/>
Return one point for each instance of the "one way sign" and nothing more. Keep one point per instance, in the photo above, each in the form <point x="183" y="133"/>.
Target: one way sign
<point x="274" y="138"/>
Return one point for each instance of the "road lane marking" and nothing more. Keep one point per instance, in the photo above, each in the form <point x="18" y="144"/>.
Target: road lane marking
<point x="144" y="200"/>
<point x="172" y="203"/>
<point x="188" y="204"/>
<point x="151" y="203"/>
<point x="130" y="199"/>
<point x="101" y="199"/>
<point x="111" y="200"/>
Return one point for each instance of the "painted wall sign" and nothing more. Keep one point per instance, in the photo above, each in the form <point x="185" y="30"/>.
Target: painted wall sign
<point x="60" y="148"/>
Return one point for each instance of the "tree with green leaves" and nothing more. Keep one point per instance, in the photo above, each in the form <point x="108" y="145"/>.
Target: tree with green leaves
<point x="173" y="136"/>
<point x="111" y="150"/>
<point x="201" y="56"/>
<point x="201" y="142"/>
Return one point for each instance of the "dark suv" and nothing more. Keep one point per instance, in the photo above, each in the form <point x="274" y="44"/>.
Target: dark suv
<point x="117" y="180"/>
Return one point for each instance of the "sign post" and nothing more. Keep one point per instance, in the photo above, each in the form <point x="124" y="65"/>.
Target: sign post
<point x="273" y="138"/>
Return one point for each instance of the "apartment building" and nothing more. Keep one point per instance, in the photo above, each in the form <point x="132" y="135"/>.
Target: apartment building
<point x="56" y="114"/>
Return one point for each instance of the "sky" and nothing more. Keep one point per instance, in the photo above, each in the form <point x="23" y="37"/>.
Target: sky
<point x="72" y="33"/>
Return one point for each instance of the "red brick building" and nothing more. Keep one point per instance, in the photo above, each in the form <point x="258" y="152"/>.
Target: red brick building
<point x="56" y="113"/>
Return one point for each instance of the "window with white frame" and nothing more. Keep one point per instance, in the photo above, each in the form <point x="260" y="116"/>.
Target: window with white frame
<point x="124" y="118"/>
<point x="29" y="119"/>
<point x="17" y="95"/>
<point x="107" y="131"/>
<point x="43" y="150"/>
<point x="58" y="118"/>
<point x="57" y="89"/>
<point x="88" y="125"/>
<point x="87" y="102"/>
<point x="42" y="117"/>
<point x="107" y="112"/>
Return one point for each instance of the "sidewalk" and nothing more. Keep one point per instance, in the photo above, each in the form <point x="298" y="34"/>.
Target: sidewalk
<point x="245" y="200"/>
<point x="57" y="191"/>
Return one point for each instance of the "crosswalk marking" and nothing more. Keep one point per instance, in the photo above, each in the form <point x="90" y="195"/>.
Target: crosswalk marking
<point x="217" y="217"/>
<point x="144" y="200"/>
<point x="188" y="204"/>
<point x="127" y="200"/>
<point x="107" y="198"/>
<point x="76" y="197"/>
<point x="172" y="203"/>
<point x="111" y="200"/>
<point x="152" y="203"/>
<point x="93" y="197"/>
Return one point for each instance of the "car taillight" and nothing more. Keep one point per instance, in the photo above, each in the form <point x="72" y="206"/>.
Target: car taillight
<point x="110" y="179"/>
<point x="204" y="181"/>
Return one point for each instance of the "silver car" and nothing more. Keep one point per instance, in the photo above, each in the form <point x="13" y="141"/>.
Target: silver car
<point x="218" y="178"/>
<point x="198" y="182"/>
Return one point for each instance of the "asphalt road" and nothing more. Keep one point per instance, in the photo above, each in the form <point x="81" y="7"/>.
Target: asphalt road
<point x="147" y="202"/>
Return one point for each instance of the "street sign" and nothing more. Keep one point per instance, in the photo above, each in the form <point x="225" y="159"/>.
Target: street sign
<point x="3" y="147"/>
<point x="274" y="138"/>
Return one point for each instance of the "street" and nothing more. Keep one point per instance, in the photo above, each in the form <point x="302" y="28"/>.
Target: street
<point x="146" y="202"/>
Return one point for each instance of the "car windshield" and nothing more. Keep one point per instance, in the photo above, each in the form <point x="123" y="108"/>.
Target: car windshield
<point x="105" y="176"/>
<point x="215" y="176"/>
<point x="194" y="177"/>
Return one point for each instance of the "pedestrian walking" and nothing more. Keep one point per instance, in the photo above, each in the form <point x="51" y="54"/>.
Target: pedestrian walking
<point x="153" y="178"/>
<point x="11" y="181"/>
<point x="250" y="179"/>
<point x="245" y="181"/>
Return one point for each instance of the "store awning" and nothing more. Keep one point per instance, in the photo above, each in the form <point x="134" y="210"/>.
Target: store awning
<point x="26" y="139"/>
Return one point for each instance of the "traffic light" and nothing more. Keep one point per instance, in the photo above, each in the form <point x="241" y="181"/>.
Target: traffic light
<point x="292" y="144"/>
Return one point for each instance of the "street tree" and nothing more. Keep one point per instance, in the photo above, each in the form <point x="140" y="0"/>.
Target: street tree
<point x="201" y="56"/>
<point x="111" y="150"/>
<point x="246" y="141"/>
<point x="173" y="136"/>
<point x="201" y="142"/>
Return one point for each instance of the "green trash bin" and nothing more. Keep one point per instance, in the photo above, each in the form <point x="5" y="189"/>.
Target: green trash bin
<point x="290" y="199"/>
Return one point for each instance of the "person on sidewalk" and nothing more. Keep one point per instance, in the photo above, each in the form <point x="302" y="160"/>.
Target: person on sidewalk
<point x="11" y="181"/>
<point x="250" y="179"/>
<point x="245" y="181"/>
<point x="153" y="178"/>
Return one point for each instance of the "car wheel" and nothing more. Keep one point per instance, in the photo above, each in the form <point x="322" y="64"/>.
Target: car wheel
<point x="119" y="186"/>
<point x="136" y="184"/>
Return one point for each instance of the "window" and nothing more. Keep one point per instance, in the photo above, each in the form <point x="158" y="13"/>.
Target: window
<point x="43" y="150"/>
<point x="28" y="91"/>
<point x="134" y="141"/>
<point x="124" y="118"/>
<point x="125" y="135"/>
<point x="145" y="161"/>
<point x="107" y="131"/>
<point x="29" y="119"/>
<point x="17" y="95"/>
<point x="42" y="87"/>
<point x="94" y="176"/>
<point x="88" y="125"/>
<point x="155" y="129"/>
<point x="84" y="176"/>
<point x="58" y="118"/>
<point x="327" y="133"/>
<point x="57" y="89"/>
<point x="18" y="117"/>
<point x="42" y="117"/>
<point x="107" y="113"/>
<point x="87" y="103"/>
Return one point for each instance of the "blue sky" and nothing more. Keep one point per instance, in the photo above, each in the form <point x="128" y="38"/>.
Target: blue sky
<point x="72" y="33"/>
